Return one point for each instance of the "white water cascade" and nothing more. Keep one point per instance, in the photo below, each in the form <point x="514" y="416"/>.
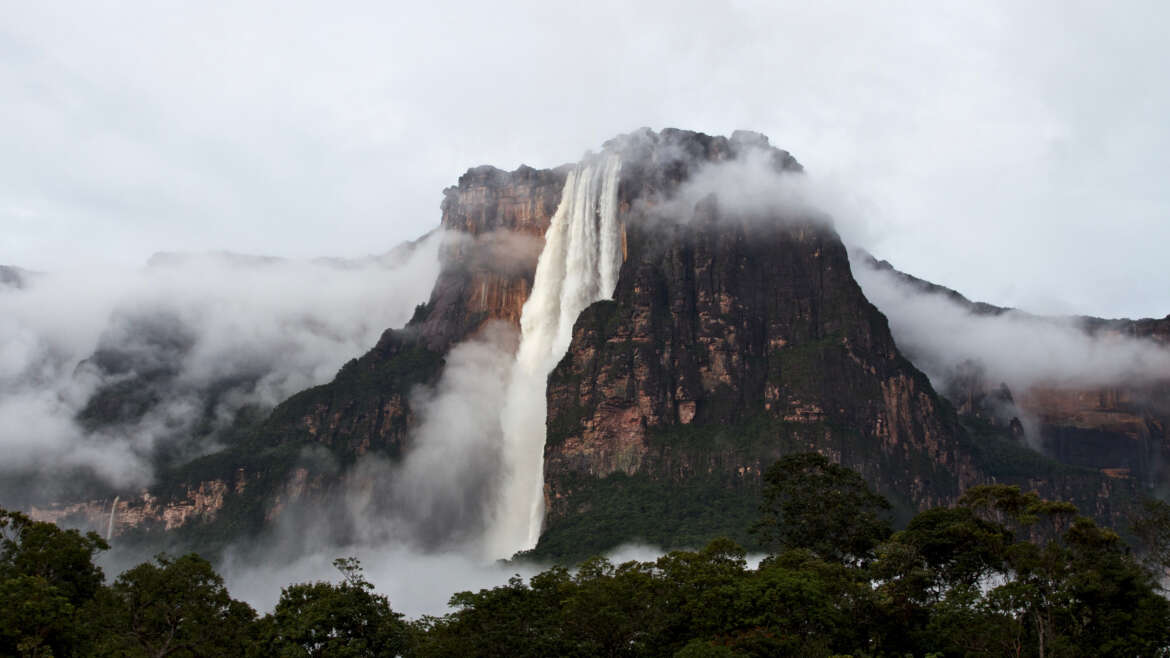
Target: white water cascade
<point x="110" y="525"/>
<point x="579" y="265"/>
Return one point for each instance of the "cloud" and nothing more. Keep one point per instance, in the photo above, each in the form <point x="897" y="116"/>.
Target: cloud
<point x="101" y="368"/>
<point x="980" y="134"/>
<point x="1022" y="350"/>
<point x="753" y="188"/>
<point x="439" y="495"/>
<point x="417" y="583"/>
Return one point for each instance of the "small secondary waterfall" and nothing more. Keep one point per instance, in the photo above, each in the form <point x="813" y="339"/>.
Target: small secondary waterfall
<point x="110" y="525"/>
<point x="579" y="265"/>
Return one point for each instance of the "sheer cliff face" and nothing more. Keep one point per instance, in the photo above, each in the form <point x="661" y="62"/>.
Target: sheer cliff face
<point x="716" y="325"/>
<point x="496" y="222"/>
<point x="1122" y="429"/>
<point x="729" y="343"/>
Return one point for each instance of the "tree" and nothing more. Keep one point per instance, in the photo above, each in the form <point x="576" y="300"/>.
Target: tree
<point x="513" y="620"/>
<point x="1025" y="514"/>
<point x="64" y="558"/>
<point x="698" y="591"/>
<point x="812" y="503"/>
<point x="613" y="610"/>
<point x="46" y="575"/>
<point x="35" y="618"/>
<point x="1152" y="529"/>
<point x="335" y="620"/>
<point x="177" y="607"/>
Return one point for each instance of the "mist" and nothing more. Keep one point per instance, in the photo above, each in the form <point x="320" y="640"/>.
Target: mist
<point x="754" y="190"/>
<point x="416" y="582"/>
<point x="438" y="497"/>
<point x="191" y="340"/>
<point x="940" y="335"/>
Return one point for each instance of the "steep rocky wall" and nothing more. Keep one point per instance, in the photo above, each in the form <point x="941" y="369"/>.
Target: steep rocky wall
<point x="145" y="510"/>
<point x="716" y="328"/>
<point x="1121" y="430"/>
<point x="731" y="341"/>
<point x="497" y="222"/>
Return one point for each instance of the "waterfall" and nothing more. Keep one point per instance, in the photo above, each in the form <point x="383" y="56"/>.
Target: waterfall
<point x="579" y="265"/>
<point x="110" y="525"/>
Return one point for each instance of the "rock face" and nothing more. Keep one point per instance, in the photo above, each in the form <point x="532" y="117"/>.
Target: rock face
<point x="1121" y="430"/>
<point x="146" y="511"/>
<point x="715" y="325"/>
<point x="731" y="341"/>
<point x="495" y="222"/>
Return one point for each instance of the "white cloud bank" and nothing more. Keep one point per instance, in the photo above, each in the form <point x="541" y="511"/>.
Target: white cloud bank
<point x="260" y="328"/>
<point x="1016" y="348"/>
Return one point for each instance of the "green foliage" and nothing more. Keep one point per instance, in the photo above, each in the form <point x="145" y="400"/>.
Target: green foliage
<point x="328" y="620"/>
<point x="1152" y="530"/>
<point x="670" y="514"/>
<point x="516" y="619"/>
<point x="1003" y="456"/>
<point x="812" y="503"/>
<point x="62" y="558"/>
<point x="421" y="312"/>
<point x="35" y="618"/>
<point x="46" y="575"/>
<point x="175" y="607"/>
<point x="1003" y="572"/>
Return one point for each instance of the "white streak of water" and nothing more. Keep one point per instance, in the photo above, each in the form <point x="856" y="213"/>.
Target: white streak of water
<point x="110" y="525"/>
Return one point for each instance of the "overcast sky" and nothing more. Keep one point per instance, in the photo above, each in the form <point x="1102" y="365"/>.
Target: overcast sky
<point x="1014" y="151"/>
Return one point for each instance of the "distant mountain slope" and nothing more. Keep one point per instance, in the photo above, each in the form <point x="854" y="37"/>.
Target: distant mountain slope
<point x="12" y="277"/>
<point x="174" y="361"/>
<point x="1107" y="409"/>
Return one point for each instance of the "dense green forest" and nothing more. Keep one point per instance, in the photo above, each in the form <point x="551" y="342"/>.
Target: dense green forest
<point x="1001" y="573"/>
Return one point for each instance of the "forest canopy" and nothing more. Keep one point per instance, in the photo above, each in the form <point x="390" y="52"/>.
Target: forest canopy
<point x="1001" y="572"/>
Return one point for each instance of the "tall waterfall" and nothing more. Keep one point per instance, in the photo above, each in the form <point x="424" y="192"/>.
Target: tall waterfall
<point x="579" y="265"/>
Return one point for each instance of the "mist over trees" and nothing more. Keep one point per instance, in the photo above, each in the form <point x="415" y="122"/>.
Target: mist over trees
<point x="1002" y="572"/>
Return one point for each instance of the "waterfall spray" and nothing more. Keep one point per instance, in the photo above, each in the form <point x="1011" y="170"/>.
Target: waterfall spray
<point x="579" y="265"/>
<point x="110" y="525"/>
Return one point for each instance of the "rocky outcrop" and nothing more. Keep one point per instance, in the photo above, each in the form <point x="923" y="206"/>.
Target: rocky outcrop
<point x="496" y="222"/>
<point x="1123" y="431"/>
<point x="146" y="511"/>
